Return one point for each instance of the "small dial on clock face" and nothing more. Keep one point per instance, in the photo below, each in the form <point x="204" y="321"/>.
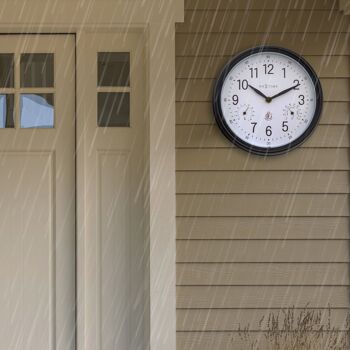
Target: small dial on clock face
<point x="267" y="100"/>
<point x="292" y="110"/>
<point x="244" y="113"/>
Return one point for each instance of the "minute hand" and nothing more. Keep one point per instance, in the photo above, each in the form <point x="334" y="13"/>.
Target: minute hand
<point x="284" y="91"/>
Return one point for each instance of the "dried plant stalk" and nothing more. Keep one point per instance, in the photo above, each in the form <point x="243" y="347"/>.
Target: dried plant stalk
<point x="292" y="329"/>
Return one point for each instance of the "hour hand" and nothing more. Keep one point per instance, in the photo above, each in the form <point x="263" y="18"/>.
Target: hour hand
<point x="268" y="99"/>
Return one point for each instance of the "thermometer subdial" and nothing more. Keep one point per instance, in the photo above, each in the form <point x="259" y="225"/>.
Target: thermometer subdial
<point x="245" y="112"/>
<point x="292" y="111"/>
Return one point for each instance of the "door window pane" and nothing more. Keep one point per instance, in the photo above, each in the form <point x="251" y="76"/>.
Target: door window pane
<point x="6" y="70"/>
<point x="7" y="111"/>
<point x="37" y="110"/>
<point x="113" y="109"/>
<point x="113" y="68"/>
<point x="37" y="70"/>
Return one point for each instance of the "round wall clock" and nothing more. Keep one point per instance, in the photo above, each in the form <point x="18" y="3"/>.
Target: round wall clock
<point x="267" y="100"/>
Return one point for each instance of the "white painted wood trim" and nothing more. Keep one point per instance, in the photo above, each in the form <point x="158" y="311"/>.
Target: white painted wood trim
<point x="161" y="77"/>
<point x="160" y="99"/>
<point x="78" y="13"/>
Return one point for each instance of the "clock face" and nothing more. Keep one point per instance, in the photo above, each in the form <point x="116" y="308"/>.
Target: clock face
<point x="267" y="100"/>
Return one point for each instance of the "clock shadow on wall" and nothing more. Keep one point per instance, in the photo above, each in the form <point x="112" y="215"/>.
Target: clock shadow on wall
<point x="267" y="100"/>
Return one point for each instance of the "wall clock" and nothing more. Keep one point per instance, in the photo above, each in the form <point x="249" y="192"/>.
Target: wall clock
<point x="267" y="100"/>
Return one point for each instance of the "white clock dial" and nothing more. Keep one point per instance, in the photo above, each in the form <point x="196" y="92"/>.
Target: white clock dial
<point x="268" y="99"/>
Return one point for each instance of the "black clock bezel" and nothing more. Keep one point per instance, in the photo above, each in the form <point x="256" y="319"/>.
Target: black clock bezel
<point x="231" y="136"/>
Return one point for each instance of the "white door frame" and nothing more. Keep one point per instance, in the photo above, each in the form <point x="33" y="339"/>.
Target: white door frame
<point x="156" y="19"/>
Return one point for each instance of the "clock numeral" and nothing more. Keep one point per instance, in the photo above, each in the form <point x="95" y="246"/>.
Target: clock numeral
<point x="301" y="99"/>
<point x="268" y="131"/>
<point x="296" y="82"/>
<point x="284" y="73"/>
<point x="235" y="99"/>
<point x="242" y="84"/>
<point x="268" y="68"/>
<point x="285" y="126"/>
<point x="253" y="72"/>
<point x="254" y="125"/>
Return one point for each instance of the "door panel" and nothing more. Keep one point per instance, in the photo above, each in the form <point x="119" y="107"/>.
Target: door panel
<point x="115" y="248"/>
<point x="26" y="236"/>
<point x="37" y="206"/>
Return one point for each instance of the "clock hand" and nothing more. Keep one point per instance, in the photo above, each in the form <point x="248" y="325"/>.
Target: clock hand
<point x="268" y="99"/>
<point x="285" y="91"/>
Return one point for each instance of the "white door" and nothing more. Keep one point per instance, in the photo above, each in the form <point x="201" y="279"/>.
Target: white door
<point x="37" y="192"/>
<point x="111" y="176"/>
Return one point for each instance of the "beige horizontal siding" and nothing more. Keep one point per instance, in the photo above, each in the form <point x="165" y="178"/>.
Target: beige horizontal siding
<point x="234" y="159"/>
<point x="262" y="274"/>
<point x="218" y="228"/>
<point x="248" y="251"/>
<point x="263" y="297"/>
<point x="263" y="205"/>
<point x="257" y="21"/>
<point x="217" y="44"/>
<point x="334" y="90"/>
<point x="201" y="113"/>
<point x="256" y="234"/>
<point x="260" y="5"/>
<point x="210" y="67"/>
<point x="209" y="136"/>
<point x="228" y="341"/>
<point x="233" y="320"/>
<point x="264" y="182"/>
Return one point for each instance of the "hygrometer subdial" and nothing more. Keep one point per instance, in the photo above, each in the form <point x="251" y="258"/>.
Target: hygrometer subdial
<point x="292" y="111"/>
<point x="245" y="112"/>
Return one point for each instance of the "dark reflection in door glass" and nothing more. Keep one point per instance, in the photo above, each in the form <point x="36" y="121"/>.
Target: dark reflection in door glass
<point x="37" y="111"/>
<point x="7" y="111"/>
<point x="6" y="70"/>
<point x="113" y="68"/>
<point x="37" y="70"/>
<point x="113" y="109"/>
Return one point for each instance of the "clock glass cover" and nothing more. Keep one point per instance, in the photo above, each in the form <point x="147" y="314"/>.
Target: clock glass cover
<point x="267" y="100"/>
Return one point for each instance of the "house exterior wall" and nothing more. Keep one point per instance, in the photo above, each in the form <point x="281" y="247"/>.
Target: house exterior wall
<point x="254" y="234"/>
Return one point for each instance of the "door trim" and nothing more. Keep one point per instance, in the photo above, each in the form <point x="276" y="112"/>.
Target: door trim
<point x="160" y="161"/>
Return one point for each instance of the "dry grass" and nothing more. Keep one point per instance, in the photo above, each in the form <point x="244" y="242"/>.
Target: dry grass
<point x="292" y="329"/>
